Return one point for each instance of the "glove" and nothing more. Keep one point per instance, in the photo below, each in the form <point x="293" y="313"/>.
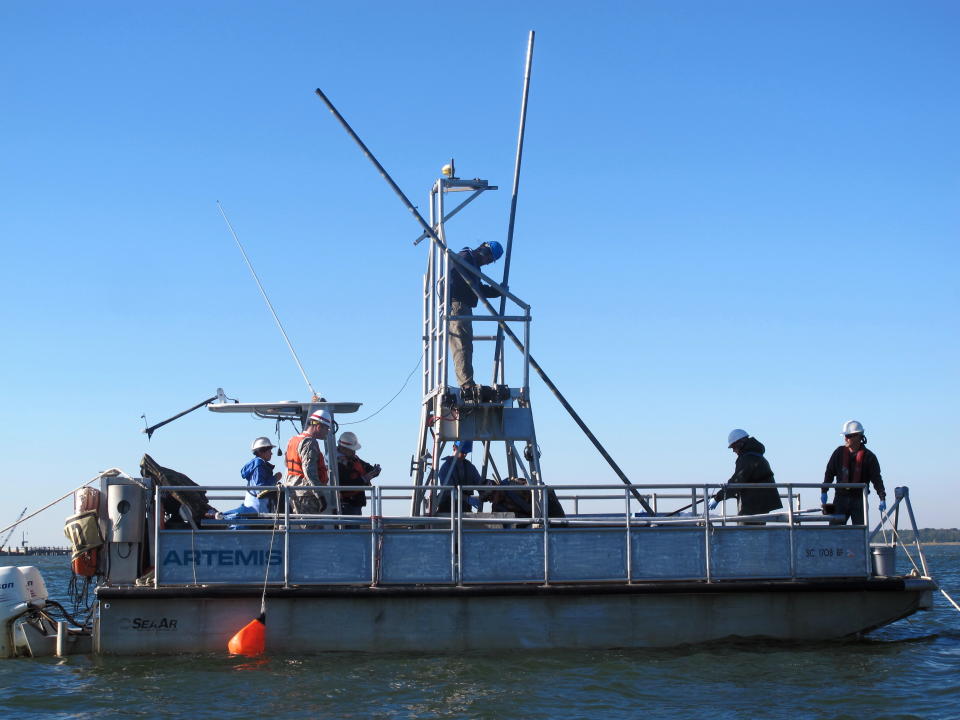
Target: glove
<point x="474" y="502"/>
<point x="823" y="498"/>
<point x="713" y="505"/>
<point x="883" y="506"/>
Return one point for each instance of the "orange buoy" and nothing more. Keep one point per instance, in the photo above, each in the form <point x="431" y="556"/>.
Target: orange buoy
<point x="251" y="639"/>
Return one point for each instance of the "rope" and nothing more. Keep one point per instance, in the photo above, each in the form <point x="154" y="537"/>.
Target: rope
<point x="950" y="599"/>
<point x="266" y="576"/>
<point x="899" y="540"/>
<point x="357" y="422"/>
<point x="903" y="545"/>
<point x="106" y="473"/>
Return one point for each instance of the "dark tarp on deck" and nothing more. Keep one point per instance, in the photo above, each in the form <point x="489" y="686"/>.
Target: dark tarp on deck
<point x="194" y="501"/>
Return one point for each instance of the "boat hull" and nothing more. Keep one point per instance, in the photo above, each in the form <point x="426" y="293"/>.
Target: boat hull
<point x="137" y="621"/>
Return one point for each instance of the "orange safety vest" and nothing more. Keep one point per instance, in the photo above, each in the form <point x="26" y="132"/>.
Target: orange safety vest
<point x="295" y="464"/>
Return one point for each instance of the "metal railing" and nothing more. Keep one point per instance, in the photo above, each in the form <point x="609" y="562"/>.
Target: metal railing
<point x="625" y="546"/>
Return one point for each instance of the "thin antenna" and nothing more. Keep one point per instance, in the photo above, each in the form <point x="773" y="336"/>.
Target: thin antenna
<point x="267" y="300"/>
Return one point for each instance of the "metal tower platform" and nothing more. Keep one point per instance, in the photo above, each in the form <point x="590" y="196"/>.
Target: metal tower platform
<point x="498" y="416"/>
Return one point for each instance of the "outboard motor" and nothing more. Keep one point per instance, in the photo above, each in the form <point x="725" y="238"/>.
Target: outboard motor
<point x="35" y="585"/>
<point x="14" y="602"/>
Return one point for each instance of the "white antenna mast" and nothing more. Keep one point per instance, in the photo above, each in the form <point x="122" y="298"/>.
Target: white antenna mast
<point x="263" y="292"/>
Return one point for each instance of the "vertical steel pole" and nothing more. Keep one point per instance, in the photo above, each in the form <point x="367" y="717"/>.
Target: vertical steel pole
<point x="444" y="348"/>
<point x="498" y="370"/>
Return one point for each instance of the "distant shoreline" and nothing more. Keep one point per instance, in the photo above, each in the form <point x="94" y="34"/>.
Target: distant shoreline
<point x="951" y="542"/>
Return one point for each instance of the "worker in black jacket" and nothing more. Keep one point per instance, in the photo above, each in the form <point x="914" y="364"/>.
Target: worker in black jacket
<point x="751" y="467"/>
<point x="853" y="463"/>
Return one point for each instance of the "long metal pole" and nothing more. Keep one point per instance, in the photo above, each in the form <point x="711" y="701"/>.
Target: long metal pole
<point x="498" y="369"/>
<point x="486" y="303"/>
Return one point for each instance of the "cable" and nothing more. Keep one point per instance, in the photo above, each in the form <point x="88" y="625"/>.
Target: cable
<point x="357" y="422"/>
<point x="67" y="615"/>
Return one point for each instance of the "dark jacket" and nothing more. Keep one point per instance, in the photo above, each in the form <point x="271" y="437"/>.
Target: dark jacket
<point x="752" y="467"/>
<point x="350" y="471"/>
<point x="841" y="466"/>
<point x="460" y="285"/>
<point x="455" y="472"/>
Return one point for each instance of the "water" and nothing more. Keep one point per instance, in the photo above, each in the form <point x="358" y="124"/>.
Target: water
<point x="908" y="670"/>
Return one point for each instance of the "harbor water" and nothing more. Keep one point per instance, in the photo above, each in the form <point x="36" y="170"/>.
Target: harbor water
<point x="908" y="670"/>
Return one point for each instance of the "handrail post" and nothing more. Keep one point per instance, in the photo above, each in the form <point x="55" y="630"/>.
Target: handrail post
<point x="793" y="545"/>
<point x="545" y="519"/>
<point x="706" y="533"/>
<point x="626" y="499"/>
<point x="374" y="534"/>
<point x="157" y="512"/>
<point x="868" y="568"/>
<point x="456" y="533"/>
<point x="285" y="496"/>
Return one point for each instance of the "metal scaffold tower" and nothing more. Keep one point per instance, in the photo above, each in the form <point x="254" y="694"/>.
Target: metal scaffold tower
<point x="498" y="415"/>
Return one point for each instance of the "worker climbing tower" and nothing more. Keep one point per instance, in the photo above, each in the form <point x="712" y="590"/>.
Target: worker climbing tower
<point x="497" y="417"/>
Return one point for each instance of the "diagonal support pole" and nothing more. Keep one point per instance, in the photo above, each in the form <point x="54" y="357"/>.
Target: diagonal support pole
<point x="468" y="268"/>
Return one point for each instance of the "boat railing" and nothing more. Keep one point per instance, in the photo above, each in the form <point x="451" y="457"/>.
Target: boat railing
<point x="654" y="499"/>
<point x="465" y="548"/>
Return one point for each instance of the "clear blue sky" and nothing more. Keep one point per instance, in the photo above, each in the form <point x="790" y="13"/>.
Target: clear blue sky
<point x="738" y="214"/>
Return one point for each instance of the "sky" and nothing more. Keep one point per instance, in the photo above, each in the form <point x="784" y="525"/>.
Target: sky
<point x="739" y="214"/>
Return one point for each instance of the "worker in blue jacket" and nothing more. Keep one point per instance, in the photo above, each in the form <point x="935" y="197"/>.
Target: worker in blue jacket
<point x="457" y="471"/>
<point x="260" y="476"/>
<point x="464" y="289"/>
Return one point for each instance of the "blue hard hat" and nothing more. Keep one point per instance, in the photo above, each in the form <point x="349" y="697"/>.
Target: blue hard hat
<point x="464" y="446"/>
<point x="496" y="249"/>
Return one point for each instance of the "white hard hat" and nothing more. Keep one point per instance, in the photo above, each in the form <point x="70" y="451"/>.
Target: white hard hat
<point x="261" y="442"/>
<point x="852" y="427"/>
<point x="349" y="441"/>
<point x="736" y="436"/>
<point x="321" y="416"/>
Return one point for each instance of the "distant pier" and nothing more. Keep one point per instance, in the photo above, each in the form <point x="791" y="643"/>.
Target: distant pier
<point x="37" y="550"/>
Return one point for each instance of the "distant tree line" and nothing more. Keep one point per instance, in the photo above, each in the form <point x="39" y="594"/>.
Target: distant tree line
<point x="929" y="535"/>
